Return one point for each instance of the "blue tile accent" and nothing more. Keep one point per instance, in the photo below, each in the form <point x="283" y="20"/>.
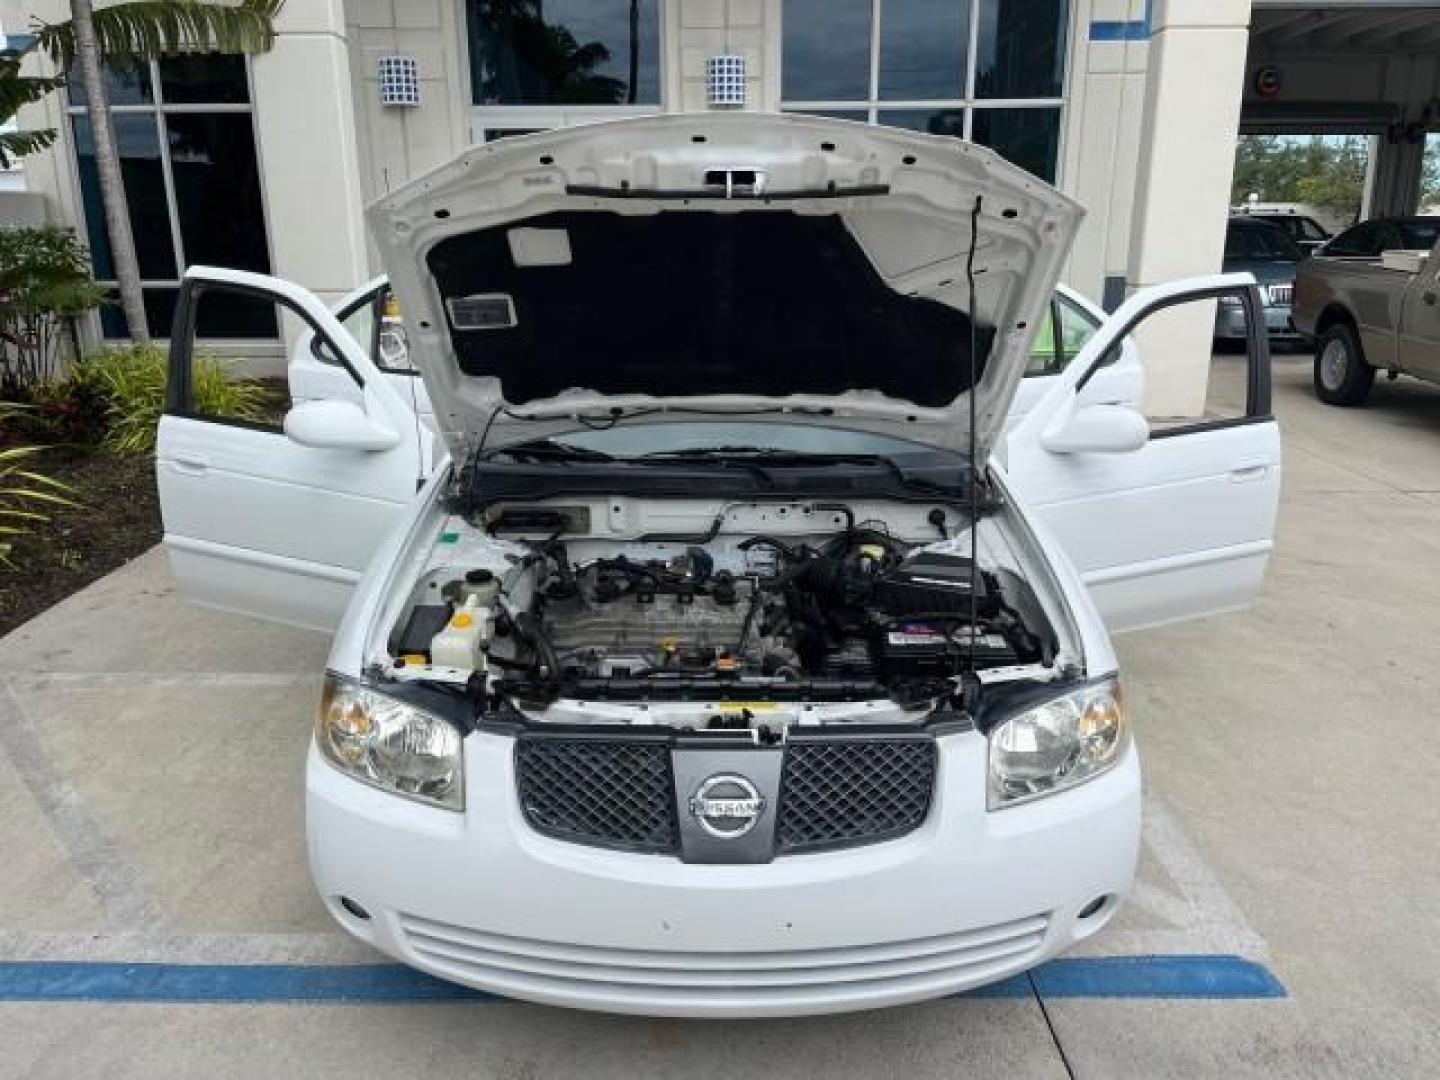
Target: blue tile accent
<point x="1106" y="30"/>
<point x="1117" y="30"/>
<point x="1184" y="976"/>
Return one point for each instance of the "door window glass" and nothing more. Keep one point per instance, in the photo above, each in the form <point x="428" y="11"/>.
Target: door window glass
<point x="1363" y="239"/>
<point x="1044" y="349"/>
<point x="209" y="383"/>
<point x="192" y="181"/>
<point x="375" y="324"/>
<point x="1233" y="387"/>
<point x="1076" y="327"/>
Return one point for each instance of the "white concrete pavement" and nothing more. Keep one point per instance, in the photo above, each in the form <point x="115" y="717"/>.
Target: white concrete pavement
<point x="150" y="811"/>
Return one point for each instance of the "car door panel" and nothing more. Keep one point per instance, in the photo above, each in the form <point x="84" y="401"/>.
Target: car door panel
<point x="1182" y="526"/>
<point x="258" y="523"/>
<point x="1419" y="344"/>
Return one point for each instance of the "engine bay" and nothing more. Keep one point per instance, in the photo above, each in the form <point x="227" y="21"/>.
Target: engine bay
<point x="834" y="611"/>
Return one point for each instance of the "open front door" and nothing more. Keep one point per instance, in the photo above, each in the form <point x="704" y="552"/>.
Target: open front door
<point x="1164" y="520"/>
<point x="275" y="509"/>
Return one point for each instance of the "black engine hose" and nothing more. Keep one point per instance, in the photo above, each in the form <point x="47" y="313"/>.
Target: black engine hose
<point x="547" y="664"/>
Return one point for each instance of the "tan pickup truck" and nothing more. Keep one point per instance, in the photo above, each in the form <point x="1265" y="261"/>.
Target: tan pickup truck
<point x="1370" y="301"/>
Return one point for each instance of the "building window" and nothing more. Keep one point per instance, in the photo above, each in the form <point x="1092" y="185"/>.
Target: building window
<point x="992" y="71"/>
<point x="186" y="137"/>
<point x="564" y="52"/>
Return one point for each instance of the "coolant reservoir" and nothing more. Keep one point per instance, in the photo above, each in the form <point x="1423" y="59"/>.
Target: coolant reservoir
<point x="460" y="644"/>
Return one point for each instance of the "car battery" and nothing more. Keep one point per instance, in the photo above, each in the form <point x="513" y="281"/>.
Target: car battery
<point x="920" y="649"/>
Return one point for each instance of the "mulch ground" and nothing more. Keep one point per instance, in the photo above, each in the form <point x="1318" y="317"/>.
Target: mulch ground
<point x="118" y="518"/>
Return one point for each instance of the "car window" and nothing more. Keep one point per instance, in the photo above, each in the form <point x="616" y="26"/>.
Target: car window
<point x="1249" y="241"/>
<point x="1066" y="329"/>
<point x="1045" y="357"/>
<point x="1418" y="235"/>
<point x="1362" y="239"/>
<point x="1308" y="229"/>
<point x="374" y="321"/>
<point x="1077" y="327"/>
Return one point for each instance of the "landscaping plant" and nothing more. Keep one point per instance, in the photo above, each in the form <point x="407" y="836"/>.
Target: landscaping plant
<point x="25" y="493"/>
<point x="45" y="285"/>
<point x="132" y="382"/>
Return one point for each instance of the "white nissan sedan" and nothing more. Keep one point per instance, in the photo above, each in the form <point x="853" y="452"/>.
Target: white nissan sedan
<point x="733" y="657"/>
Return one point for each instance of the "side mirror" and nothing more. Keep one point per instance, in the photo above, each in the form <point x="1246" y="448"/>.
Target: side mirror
<point x="337" y="425"/>
<point x="1096" y="429"/>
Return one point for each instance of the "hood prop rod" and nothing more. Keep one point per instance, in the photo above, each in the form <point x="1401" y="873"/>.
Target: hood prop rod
<point x="974" y="468"/>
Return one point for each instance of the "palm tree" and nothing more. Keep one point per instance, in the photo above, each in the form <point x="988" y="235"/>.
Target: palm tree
<point x="131" y="32"/>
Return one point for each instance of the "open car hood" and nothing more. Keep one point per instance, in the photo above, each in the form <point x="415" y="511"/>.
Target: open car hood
<point x="736" y="265"/>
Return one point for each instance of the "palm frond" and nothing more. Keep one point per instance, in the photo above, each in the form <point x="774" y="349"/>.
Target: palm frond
<point x="17" y="91"/>
<point x="19" y="144"/>
<point x="145" y="29"/>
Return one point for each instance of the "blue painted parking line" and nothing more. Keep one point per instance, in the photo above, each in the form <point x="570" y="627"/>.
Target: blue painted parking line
<point x="1184" y="976"/>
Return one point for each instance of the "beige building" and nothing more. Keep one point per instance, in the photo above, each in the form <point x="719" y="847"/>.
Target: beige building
<point x="1130" y="106"/>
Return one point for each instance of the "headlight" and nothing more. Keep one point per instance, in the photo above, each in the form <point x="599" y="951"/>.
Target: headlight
<point x="1057" y="744"/>
<point x="1230" y="300"/>
<point x="391" y="745"/>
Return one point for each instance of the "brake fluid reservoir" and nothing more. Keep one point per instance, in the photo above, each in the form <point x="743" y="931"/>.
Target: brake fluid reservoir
<point x="460" y="644"/>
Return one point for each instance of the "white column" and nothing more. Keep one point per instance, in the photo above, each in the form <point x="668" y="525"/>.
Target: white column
<point x="1193" y="88"/>
<point x="309" y="164"/>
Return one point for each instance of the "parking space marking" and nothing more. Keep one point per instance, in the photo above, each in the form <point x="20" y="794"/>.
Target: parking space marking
<point x="97" y="858"/>
<point x="138" y="947"/>
<point x="1193" y="977"/>
<point x="1197" y="913"/>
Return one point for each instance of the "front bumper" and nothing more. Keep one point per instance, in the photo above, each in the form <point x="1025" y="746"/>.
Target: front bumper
<point x="479" y="898"/>
<point x="1231" y="324"/>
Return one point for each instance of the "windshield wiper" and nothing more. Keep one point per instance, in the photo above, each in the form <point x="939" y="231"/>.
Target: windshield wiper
<point x="543" y="450"/>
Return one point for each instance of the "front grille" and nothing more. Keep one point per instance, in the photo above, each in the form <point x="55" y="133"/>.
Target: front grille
<point x="619" y="792"/>
<point x="810" y="979"/>
<point x="1281" y="294"/>
<point x="603" y="792"/>
<point x="839" y="792"/>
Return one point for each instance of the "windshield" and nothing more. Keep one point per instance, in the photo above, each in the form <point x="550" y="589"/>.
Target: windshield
<point x="1296" y="227"/>
<point x="1260" y="242"/>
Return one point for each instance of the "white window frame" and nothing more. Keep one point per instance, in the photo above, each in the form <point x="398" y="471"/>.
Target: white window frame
<point x="873" y="104"/>
<point x="157" y="110"/>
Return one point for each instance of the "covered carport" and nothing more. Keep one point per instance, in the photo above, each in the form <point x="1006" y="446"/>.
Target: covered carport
<point x="1368" y="68"/>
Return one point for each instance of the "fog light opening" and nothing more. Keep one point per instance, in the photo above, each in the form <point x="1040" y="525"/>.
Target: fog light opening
<point x="354" y="908"/>
<point x="1094" y="907"/>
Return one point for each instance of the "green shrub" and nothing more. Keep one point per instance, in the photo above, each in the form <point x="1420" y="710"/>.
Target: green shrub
<point x="44" y="284"/>
<point x="132" y="381"/>
<point x="72" y="412"/>
<point x="25" y="494"/>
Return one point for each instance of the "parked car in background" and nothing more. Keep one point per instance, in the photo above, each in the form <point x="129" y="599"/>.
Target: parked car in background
<point x="1378" y="311"/>
<point x="1302" y="228"/>
<point x="372" y="316"/>
<point x="1261" y="249"/>
<point x="1367" y="239"/>
<point x="816" y="708"/>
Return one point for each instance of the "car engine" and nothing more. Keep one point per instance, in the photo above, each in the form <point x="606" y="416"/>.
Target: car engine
<point x="855" y="616"/>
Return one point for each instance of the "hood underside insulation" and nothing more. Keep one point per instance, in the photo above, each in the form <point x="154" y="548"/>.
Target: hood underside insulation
<point x="689" y="303"/>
